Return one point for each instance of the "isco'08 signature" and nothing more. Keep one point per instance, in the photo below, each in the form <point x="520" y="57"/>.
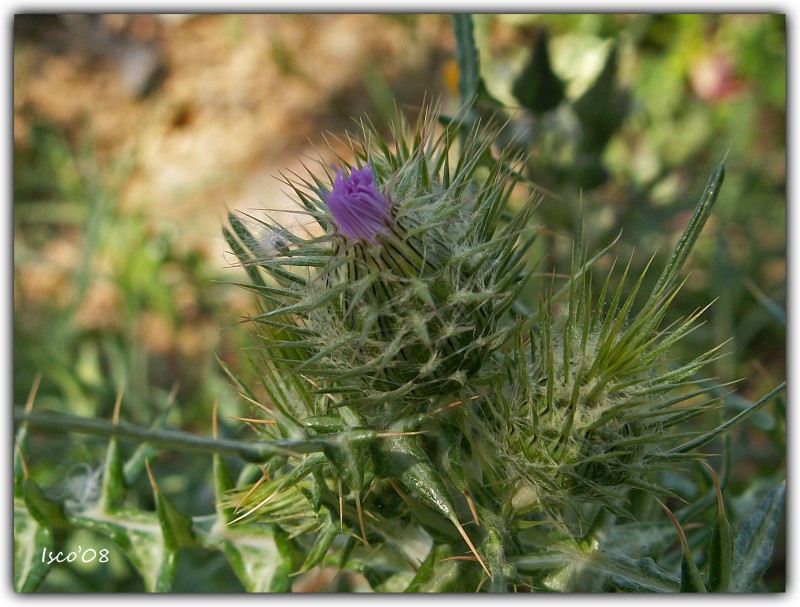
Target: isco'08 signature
<point x="84" y="556"/>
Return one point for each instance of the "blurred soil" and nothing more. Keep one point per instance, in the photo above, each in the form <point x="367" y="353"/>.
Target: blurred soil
<point x="210" y="108"/>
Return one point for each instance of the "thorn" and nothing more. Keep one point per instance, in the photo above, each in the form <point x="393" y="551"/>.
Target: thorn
<point x="214" y="432"/>
<point x="311" y="381"/>
<point x="471" y="505"/>
<point x="370" y="488"/>
<point x="402" y="495"/>
<point x="22" y="460"/>
<point x="728" y="151"/>
<point x="255" y="486"/>
<point x="341" y="505"/>
<point x="681" y="534"/>
<point x="361" y="519"/>
<point x="720" y="501"/>
<point x="454" y="404"/>
<point x="253" y="421"/>
<point x="118" y="404"/>
<point x="388" y="434"/>
<point x="256" y="403"/>
<point x="32" y="396"/>
<point x="173" y="394"/>
<point x="254" y="508"/>
<point x="470" y="544"/>
<point x="151" y="477"/>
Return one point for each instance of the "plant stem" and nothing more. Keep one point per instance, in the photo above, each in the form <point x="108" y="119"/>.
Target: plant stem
<point x="253" y="451"/>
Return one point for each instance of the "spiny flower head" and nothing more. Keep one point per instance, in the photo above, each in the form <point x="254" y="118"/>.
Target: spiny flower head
<point x="591" y="415"/>
<point x="405" y="292"/>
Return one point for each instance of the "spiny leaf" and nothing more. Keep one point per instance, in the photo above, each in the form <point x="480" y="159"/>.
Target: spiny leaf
<point x="325" y="537"/>
<point x="271" y="490"/>
<point x="754" y="540"/>
<point x="177" y="533"/>
<point x="692" y="231"/>
<point x="255" y="557"/>
<point x="440" y="573"/>
<point x="720" y="548"/>
<point x="401" y="457"/>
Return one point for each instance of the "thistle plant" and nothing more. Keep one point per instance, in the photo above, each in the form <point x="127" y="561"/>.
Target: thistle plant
<point x="399" y="332"/>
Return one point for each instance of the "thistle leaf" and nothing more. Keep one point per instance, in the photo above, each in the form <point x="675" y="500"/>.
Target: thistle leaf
<point x="114" y="486"/>
<point x="438" y="574"/>
<point x="325" y="537"/>
<point x="690" y="234"/>
<point x="537" y="87"/>
<point x="256" y="558"/>
<point x="32" y="541"/>
<point x="754" y="540"/>
<point x="720" y="549"/>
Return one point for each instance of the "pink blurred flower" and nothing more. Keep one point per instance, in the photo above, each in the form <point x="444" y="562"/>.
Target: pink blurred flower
<point x="713" y="80"/>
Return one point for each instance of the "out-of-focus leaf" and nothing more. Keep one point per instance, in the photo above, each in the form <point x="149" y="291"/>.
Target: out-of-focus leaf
<point x="597" y="570"/>
<point x="384" y="570"/>
<point x="253" y="555"/>
<point x="720" y="548"/>
<point x="32" y="540"/>
<point x="114" y="486"/>
<point x="440" y="575"/>
<point x="141" y="537"/>
<point x="752" y="551"/>
<point x="222" y="484"/>
<point x="643" y="539"/>
<point x="603" y="107"/>
<point x="44" y="510"/>
<point x="323" y="542"/>
<point x="537" y="87"/>
<point x="281" y="580"/>
<point x="176" y="525"/>
<point x="638" y="575"/>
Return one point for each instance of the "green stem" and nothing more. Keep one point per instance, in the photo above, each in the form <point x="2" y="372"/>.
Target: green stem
<point x="253" y="451"/>
<point x="467" y="56"/>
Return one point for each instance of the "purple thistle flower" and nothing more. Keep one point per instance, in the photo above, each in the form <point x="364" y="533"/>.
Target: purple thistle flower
<point x="360" y="211"/>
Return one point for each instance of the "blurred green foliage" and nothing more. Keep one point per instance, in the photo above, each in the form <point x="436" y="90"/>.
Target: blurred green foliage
<point x="681" y="92"/>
